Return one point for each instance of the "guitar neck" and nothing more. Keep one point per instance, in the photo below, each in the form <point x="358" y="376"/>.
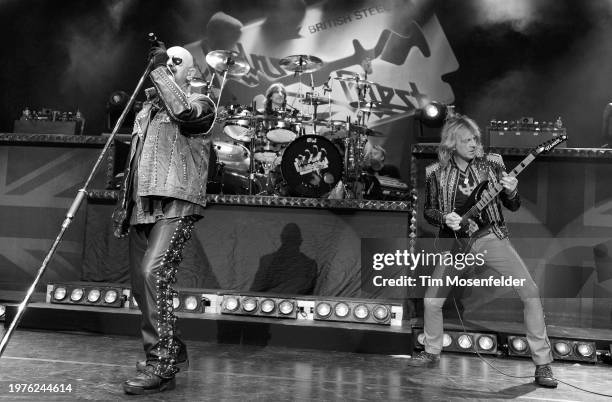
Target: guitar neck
<point x="489" y="194"/>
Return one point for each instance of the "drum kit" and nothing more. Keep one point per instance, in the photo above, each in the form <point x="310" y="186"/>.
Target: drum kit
<point x="287" y="153"/>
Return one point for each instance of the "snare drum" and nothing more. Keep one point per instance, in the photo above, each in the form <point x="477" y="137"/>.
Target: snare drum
<point x="281" y="131"/>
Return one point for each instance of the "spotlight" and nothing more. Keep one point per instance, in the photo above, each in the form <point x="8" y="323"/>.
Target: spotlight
<point x="433" y="114"/>
<point x="341" y="310"/>
<point x="518" y="346"/>
<point x="381" y="313"/>
<point x="286" y="307"/>
<point x="111" y="296"/>
<point x="585" y="349"/>
<point x="465" y="341"/>
<point x="231" y="303"/>
<point x="361" y="312"/>
<point x="562" y="348"/>
<point x="268" y="306"/>
<point x="2" y="311"/>
<point x="446" y="340"/>
<point x="486" y="342"/>
<point x="176" y="302"/>
<point x="191" y="303"/>
<point x="323" y="309"/>
<point x="59" y="293"/>
<point x="421" y="338"/>
<point x="76" y="295"/>
<point x="249" y="304"/>
<point x="93" y="295"/>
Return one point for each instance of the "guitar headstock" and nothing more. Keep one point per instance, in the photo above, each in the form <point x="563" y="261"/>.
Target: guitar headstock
<point x="549" y="145"/>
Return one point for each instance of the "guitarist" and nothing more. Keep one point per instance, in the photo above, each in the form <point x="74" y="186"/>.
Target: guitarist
<point x="461" y="166"/>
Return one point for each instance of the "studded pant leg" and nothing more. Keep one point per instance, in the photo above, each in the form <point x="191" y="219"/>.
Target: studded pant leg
<point x="157" y="271"/>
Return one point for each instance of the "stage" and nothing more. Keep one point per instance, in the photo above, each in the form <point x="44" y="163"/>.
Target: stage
<point x="96" y="365"/>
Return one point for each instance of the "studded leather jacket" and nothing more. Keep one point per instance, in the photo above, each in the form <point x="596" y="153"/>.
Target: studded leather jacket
<point x="173" y="162"/>
<point x="441" y="188"/>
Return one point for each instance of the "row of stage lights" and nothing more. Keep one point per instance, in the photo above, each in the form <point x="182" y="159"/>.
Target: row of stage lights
<point x="563" y="349"/>
<point x="466" y="342"/>
<point x="328" y="309"/>
<point x="470" y="342"/>
<point x="197" y="302"/>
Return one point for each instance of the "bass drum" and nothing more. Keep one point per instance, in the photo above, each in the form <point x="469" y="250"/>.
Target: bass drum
<point x="311" y="166"/>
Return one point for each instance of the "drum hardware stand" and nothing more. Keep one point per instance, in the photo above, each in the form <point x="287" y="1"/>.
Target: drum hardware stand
<point x="74" y="207"/>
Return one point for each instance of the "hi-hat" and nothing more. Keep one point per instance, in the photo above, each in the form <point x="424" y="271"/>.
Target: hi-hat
<point x="356" y="79"/>
<point x="368" y="107"/>
<point x="233" y="62"/>
<point x="316" y="100"/>
<point x="301" y="63"/>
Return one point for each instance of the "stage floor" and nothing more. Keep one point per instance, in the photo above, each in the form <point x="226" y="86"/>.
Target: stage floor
<point x="95" y="365"/>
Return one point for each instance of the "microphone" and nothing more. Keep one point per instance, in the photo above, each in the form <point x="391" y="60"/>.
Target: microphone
<point x="151" y="37"/>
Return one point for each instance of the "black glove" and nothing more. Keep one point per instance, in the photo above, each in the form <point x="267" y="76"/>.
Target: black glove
<point x="158" y="54"/>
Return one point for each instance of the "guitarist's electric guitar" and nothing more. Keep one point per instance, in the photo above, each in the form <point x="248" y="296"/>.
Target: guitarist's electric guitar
<point x="485" y="193"/>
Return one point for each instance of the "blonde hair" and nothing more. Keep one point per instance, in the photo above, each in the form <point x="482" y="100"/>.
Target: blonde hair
<point x="448" y="140"/>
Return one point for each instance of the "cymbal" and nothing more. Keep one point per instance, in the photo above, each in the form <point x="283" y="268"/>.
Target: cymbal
<point x="356" y="128"/>
<point x="355" y="78"/>
<point x="325" y="123"/>
<point x="229" y="60"/>
<point x="301" y="63"/>
<point x="368" y="107"/>
<point x="315" y="100"/>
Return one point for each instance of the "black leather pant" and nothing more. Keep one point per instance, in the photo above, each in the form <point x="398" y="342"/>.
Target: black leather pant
<point x="156" y="251"/>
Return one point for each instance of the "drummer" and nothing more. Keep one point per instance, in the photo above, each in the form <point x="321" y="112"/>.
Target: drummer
<point x="276" y="99"/>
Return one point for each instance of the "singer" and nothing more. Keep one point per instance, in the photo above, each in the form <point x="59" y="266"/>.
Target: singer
<point x="164" y="194"/>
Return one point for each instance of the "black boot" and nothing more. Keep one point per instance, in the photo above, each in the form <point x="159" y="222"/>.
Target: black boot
<point x="147" y="382"/>
<point x="424" y="359"/>
<point x="544" y="376"/>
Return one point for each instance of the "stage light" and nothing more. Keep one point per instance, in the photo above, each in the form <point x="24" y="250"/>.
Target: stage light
<point x="88" y="294"/>
<point x="2" y="311"/>
<point x="231" y="303"/>
<point x="249" y="304"/>
<point x="268" y="306"/>
<point x="433" y="114"/>
<point x="323" y="309"/>
<point x="518" y="346"/>
<point x="585" y="349"/>
<point x="486" y="342"/>
<point x="93" y="295"/>
<point x="421" y="338"/>
<point x="111" y="296"/>
<point x="562" y="348"/>
<point x="76" y="294"/>
<point x="341" y="310"/>
<point x="357" y="311"/>
<point x="465" y="341"/>
<point x="381" y="313"/>
<point x="191" y="303"/>
<point x="176" y="302"/>
<point x="431" y="111"/>
<point x="59" y="293"/>
<point x="446" y="340"/>
<point x="286" y="307"/>
<point x="361" y="312"/>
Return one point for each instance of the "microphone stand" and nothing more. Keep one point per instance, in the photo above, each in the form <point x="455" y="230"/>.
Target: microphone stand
<point x="76" y="203"/>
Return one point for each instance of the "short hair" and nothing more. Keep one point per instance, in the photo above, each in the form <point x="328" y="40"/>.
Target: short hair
<point x="448" y="140"/>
